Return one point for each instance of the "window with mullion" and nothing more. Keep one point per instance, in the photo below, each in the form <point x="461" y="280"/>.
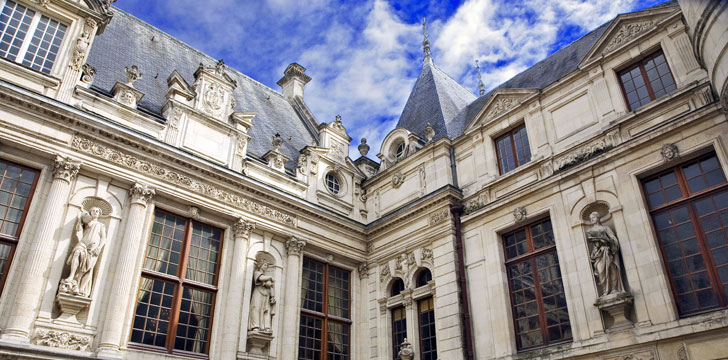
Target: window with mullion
<point x="17" y="185"/>
<point x="513" y="149"/>
<point x="178" y="287"/>
<point x="37" y="51"/>
<point x="428" y="341"/>
<point x="538" y="302"/>
<point x="324" y="331"/>
<point x="399" y="329"/>
<point x="647" y="80"/>
<point x="689" y="210"/>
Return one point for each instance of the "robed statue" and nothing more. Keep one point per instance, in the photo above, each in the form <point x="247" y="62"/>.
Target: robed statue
<point x="90" y="235"/>
<point x="604" y="256"/>
<point x="262" y="303"/>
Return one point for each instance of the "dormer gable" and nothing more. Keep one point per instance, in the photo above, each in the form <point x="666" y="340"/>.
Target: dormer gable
<point x="179" y="88"/>
<point x="500" y="103"/>
<point x="625" y="29"/>
<point x="334" y="137"/>
<point x="214" y="89"/>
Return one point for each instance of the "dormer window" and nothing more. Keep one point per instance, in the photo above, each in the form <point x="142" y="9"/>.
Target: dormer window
<point x="28" y="37"/>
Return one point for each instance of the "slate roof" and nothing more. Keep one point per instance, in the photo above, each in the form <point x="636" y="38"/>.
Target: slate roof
<point x="538" y="76"/>
<point x="128" y="41"/>
<point x="436" y="98"/>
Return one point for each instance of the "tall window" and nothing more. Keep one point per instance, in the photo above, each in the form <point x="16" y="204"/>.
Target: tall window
<point x="28" y="37"/>
<point x="428" y="341"/>
<point x="538" y="302"/>
<point x="689" y="208"/>
<point x="513" y="149"/>
<point x="178" y="285"/>
<point x="659" y="82"/>
<point x="325" y="312"/>
<point x="17" y="184"/>
<point x="399" y="329"/>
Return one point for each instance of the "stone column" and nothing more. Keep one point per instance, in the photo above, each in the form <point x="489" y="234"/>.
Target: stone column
<point x="125" y="272"/>
<point x="236" y="288"/>
<point x="363" y="317"/>
<point x="40" y="252"/>
<point x="293" y="290"/>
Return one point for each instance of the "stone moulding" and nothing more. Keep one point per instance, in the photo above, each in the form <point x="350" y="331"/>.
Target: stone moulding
<point x="61" y="339"/>
<point x="586" y="152"/>
<point x="89" y="146"/>
<point x="626" y="33"/>
<point x="439" y="216"/>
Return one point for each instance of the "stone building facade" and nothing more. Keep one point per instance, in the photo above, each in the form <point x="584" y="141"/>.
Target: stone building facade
<point x="156" y="204"/>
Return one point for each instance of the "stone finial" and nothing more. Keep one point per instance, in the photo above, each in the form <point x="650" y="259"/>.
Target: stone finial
<point x="132" y="75"/>
<point x="277" y="142"/>
<point x="481" y="86"/>
<point x="426" y="42"/>
<point x="429" y="132"/>
<point x="363" y="147"/>
<point x="220" y="67"/>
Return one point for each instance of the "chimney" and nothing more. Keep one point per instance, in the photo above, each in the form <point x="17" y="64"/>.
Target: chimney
<point x="293" y="81"/>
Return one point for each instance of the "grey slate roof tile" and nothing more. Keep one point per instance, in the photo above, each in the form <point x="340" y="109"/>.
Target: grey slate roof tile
<point x="128" y="41"/>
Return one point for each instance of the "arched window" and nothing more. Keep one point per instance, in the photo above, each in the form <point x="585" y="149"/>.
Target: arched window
<point x="400" y="150"/>
<point x="397" y="287"/>
<point x="424" y="277"/>
<point x="333" y="183"/>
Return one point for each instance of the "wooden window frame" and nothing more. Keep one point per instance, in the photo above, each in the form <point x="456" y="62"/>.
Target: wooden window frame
<point x="648" y="84"/>
<point x="510" y="134"/>
<point x="324" y="315"/>
<point x="419" y="323"/>
<point x="13" y="241"/>
<point x="530" y="255"/>
<point x="395" y="346"/>
<point x="687" y="200"/>
<point x="180" y="281"/>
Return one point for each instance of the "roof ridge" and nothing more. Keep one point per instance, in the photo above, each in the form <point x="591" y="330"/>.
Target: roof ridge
<point x="192" y="48"/>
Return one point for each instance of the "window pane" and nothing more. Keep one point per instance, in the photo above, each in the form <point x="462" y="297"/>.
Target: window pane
<point x="4" y="258"/>
<point x="15" y="189"/>
<point x="14" y="23"/>
<point x="152" y="315"/>
<point x="309" y="338"/>
<point x="165" y="243"/>
<point x="523" y="151"/>
<point x="337" y="341"/>
<point x="203" y="254"/>
<point x="312" y="285"/>
<point x="338" y="292"/>
<point x="193" y="327"/>
<point x="659" y="75"/>
<point x="428" y="341"/>
<point x="44" y="45"/>
<point x="506" y="158"/>
<point x="399" y="329"/>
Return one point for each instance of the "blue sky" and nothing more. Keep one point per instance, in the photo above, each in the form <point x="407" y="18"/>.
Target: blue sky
<point x="364" y="56"/>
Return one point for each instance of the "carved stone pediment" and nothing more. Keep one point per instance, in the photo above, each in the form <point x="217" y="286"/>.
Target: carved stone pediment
<point x="500" y="103"/>
<point x="626" y="28"/>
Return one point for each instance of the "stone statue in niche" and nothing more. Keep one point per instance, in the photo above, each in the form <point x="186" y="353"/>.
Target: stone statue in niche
<point x="262" y="303"/>
<point x="90" y="234"/>
<point x="604" y="256"/>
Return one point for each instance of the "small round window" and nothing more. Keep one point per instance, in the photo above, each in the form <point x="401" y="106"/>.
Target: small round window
<point x="400" y="150"/>
<point x="333" y="184"/>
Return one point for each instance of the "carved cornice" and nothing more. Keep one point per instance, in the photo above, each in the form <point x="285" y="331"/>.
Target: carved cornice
<point x="179" y="180"/>
<point x="439" y="216"/>
<point x="141" y="194"/>
<point x="65" y="169"/>
<point x="242" y="228"/>
<point x="61" y="339"/>
<point x="294" y="246"/>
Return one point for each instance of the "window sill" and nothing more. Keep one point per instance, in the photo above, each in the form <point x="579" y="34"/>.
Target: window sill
<point x="20" y="72"/>
<point x="174" y="354"/>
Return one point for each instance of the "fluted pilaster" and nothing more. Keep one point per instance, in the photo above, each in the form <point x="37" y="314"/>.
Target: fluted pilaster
<point x="40" y="253"/>
<point x="294" y="247"/>
<point x="125" y="274"/>
<point x="241" y="231"/>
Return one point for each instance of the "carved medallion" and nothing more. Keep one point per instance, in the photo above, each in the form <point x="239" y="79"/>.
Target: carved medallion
<point x="397" y="179"/>
<point x="214" y="99"/>
<point x="669" y="152"/>
<point x="519" y="214"/>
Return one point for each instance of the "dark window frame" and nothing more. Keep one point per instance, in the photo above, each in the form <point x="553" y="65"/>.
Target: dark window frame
<point x="687" y="200"/>
<point x="403" y="320"/>
<point x="324" y="316"/>
<point x="643" y="72"/>
<point x="12" y="241"/>
<point x="180" y="281"/>
<point x="530" y="256"/>
<point x="432" y="353"/>
<point x="516" y="160"/>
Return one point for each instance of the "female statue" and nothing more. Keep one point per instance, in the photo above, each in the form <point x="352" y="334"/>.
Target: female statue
<point x="91" y="238"/>
<point x="604" y="256"/>
<point x="263" y="300"/>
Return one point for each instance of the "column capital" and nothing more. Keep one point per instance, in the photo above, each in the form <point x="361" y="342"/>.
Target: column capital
<point x="141" y="194"/>
<point x="65" y="169"/>
<point x="295" y="246"/>
<point x="242" y="228"/>
<point x="363" y="270"/>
